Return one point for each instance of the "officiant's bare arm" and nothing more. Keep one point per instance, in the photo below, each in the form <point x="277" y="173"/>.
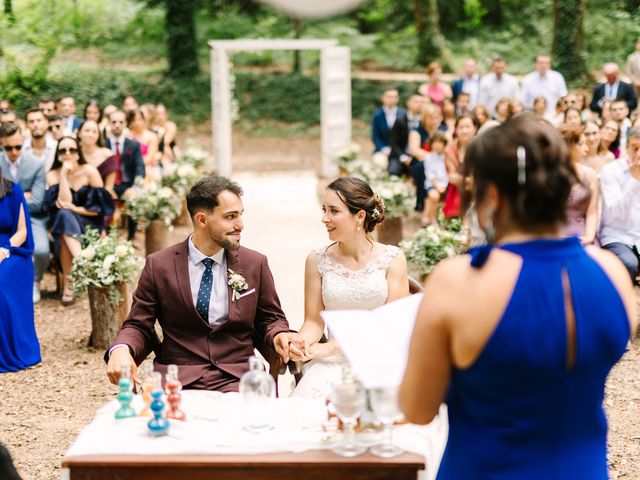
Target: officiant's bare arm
<point x="427" y="375"/>
<point x="397" y="278"/>
<point x="313" y="326"/>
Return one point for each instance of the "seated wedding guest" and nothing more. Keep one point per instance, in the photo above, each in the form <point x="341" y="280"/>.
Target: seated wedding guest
<point x="75" y="200"/>
<point x="47" y="105"/>
<point x="582" y="105"/>
<point x="572" y="117"/>
<point x="7" y="470"/>
<point x="503" y="109"/>
<point x="620" y="223"/>
<point x="96" y="154"/>
<point x="517" y="107"/>
<point x="524" y="381"/>
<point x="105" y="129"/>
<point x="384" y="118"/>
<point x="610" y="137"/>
<point x="481" y="113"/>
<point x="597" y="154"/>
<point x="605" y="115"/>
<point x="436" y="178"/>
<point x="448" y="114"/>
<point x="207" y="325"/>
<point x="56" y="127"/>
<point x="28" y="171"/>
<point x="139" y="131"/>
<point x="40" y="143"/>
<point x="430" y="123"/>
<point x="620" y="113"/>
<point x="435" y="88"/>
<point x="463" y="104"/>
<point x="557" y="118"/>
<point x="353" y="272"/>
<point x="465" y="130"/>
<point x="540" y="107"/>
<point x="66" y="108"/>
<point x="399" y="157"/>
<point x="582" y="209"/>
<point x="129" y="104"/>
<point x="92" y="111"/>
<point x="130" y="165"/>
<point x="19" y="347"/>
<point x="167" y="132"/>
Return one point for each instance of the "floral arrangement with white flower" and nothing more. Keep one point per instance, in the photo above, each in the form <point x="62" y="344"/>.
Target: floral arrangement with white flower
<point x="396" y="195"/>
<point x="347" y="156"/>
<point x="433" y="244"/>
<point x="180" y="176"/>
<point x="105" y="261"/>
<point x="151" y="202"/>
<point x="194" y="156"/>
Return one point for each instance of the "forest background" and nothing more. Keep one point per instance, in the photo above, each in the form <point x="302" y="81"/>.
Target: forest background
<point x="157" y="50"/>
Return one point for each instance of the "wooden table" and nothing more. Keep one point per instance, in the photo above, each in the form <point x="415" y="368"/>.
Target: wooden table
<point x="311" y="465"/>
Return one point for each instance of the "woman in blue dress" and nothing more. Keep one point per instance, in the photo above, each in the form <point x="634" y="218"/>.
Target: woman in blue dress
<point x="522" y="361"/>
<point x="75" y="199"/>
<point x="19" y="347"/>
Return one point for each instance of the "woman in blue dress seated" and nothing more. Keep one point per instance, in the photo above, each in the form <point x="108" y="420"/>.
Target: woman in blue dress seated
<point x="75" y="199"/>
<point x="19" y="347"/>
<point x="522" y="361"/>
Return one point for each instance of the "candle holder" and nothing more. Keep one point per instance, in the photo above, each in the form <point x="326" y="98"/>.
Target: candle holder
<point x="174" y="397"/>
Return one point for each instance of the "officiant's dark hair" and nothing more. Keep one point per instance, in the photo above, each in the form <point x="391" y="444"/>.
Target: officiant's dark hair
<point x="204" y="194"/>
<point x="357" y="195"/>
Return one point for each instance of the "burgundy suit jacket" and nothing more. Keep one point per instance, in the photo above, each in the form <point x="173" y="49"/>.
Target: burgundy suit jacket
<point x="164" y="294"/>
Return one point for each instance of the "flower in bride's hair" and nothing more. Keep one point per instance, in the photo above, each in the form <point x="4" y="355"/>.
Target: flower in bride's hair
<point x="375" y="214"/>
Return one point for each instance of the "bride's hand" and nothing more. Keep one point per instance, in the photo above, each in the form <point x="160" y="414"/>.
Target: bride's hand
<point x="319" y="350"/>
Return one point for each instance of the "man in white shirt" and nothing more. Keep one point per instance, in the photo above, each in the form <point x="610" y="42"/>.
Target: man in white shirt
<point x="40" y="144"/>
<point x="498" y="84"/>
<point x="469" y="83"/>
<point x="620" y="224"/>
<point x="543" y="82"/>
<point x="66" y="108"/>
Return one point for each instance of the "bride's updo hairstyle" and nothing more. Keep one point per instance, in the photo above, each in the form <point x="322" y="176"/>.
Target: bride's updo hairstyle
<point x="528" y="162"/>
<point x="357" y="195"/>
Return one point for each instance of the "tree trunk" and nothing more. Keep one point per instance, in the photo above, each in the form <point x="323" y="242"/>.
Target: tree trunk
<point x="181" y="38"/>
<point x="430" y="40"/>
<point x="8" y="11"/>
<point x="106" y="315"/>
<point x="156" y="236"/>
<point x="390" y="231"/>
<point x="568" y="39"/>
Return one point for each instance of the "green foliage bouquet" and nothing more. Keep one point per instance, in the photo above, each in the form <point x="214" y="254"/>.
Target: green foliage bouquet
<point x="430" y="245"/>
<point x="348" y="156"/>
<point x="104" y="261"/>
<point x="194" y="156"/>
<point x="149" y="203"/>
<point x="180" y="176"/>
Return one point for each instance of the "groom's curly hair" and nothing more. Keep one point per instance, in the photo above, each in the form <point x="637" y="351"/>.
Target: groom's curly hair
<point x="204" y="194"/>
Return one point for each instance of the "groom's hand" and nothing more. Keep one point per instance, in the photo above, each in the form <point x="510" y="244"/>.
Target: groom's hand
<point x="287" y="342"/>
<point x="121" y="356"/>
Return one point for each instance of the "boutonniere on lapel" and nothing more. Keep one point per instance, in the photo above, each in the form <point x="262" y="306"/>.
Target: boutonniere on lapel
<point x="237" y="283"/>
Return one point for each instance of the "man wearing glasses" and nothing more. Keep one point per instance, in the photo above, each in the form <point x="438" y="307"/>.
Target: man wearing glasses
<point x="56" y="127"/>
<point x="28" y="171"/>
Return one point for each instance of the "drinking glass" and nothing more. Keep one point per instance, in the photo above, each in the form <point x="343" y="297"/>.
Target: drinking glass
<point x="384" y="402"/>
<point x="349" y="400"/>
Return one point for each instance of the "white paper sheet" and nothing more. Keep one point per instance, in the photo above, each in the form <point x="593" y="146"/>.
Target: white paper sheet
<point x="376" y="342"/>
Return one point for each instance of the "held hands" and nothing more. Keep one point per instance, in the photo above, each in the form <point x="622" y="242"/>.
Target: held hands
<point x="120" y="356"/>
<point x="315" y="350"/>
<point x="288" y="344"/>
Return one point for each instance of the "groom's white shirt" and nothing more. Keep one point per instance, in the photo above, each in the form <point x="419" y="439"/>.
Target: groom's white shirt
<point x="219" y="300"/>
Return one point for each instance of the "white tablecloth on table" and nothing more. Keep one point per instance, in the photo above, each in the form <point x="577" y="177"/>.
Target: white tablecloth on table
<point x="214" y="426"/>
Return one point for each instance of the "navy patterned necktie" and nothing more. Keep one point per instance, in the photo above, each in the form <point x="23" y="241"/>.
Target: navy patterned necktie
<point x="206" y="285"/>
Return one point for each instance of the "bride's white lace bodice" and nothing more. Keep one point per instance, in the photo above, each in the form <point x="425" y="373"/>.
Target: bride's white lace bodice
<point x="364" y="289"/>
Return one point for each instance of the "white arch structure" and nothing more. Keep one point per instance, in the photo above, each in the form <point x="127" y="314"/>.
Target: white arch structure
<point x="335" y="95"/>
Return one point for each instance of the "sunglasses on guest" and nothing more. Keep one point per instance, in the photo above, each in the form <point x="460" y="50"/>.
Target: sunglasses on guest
<point x="10" y="148"/>
<point x="67" y="151"/>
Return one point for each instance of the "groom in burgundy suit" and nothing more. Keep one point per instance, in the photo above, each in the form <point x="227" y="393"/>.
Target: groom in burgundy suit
<point x="208" y="316"/>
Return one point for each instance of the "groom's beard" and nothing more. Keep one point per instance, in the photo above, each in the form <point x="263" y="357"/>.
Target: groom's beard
<point x="225" y="240"/>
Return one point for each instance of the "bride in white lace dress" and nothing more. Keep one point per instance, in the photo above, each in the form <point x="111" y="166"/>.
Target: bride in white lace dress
<point x="353" y="272"/>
